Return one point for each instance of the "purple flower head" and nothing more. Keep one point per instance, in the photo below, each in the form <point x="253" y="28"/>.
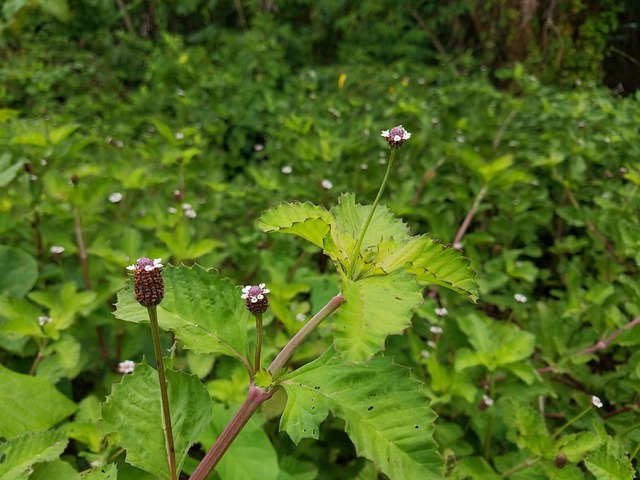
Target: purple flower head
<point x="148" y="284"/>
<point x="255" y="297"/>
<point x="396" y="136"/>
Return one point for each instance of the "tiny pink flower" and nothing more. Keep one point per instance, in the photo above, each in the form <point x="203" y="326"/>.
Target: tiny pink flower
<point x="596" y="402"/>
<point x="128" y="366"/>
<point x="396" y="136"/>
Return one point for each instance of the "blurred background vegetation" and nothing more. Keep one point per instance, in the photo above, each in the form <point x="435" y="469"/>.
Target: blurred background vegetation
<point x="148" y="127"/>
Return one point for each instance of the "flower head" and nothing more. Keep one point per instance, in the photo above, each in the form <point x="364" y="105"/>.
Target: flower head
<point x="56" y="249"/>
<point x="441" y="311"/>
<point x="43" y="320"/>
<point x="396" y="136"/>
<point x="128" y="366"/>
<point x="255" y="297"/>
<point x="520" y="298"/>
<point x="148" y="284"/>
<point x="596" y="402"/>
<point x="485" y="403"/>
<point x="326" y="184"/>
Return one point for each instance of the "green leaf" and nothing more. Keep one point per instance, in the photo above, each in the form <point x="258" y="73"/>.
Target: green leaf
<point x="349" y="221"/>
<point x="133" y="410"/>
<point x="474" y="468"/>
<point x="386" y="414"/>
<point x="20" y="318"/>
<point x="8" y="171"/>
<point x="294" y="469"/>
<point x="19" y="271"/>
<point x="302" y="219"/>
<point x="495" y="344"/>
<point x="57" y="469"/>
<point x="59" y="9"/>
<point x="108" y="472"/>
<point x="577" y="445"/>
<point x="29" y="404"/>
<point x="374" y="308"/>
<point x="251" y="455"/>
<point x="203" y="309"/>
<point x="58" y="134"/>
<point x="431" y="262"/>
<point x="610" y="462"/>
<point x="20" y="453"/>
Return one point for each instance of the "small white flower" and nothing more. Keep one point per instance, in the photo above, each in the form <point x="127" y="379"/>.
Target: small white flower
<point x="487" y="401"/>
<point x="425" y="353"/>
<point x="128" y="366"/>
<point x="457" y="245"/>
<point x="179" y="136"/>
<point x="56" y="249"/>
<point x="436" y="330"/>
<point x="596" y="402"/>
<point x="172" y="210"/>
<point x="190" y="213"/>
<point x="520" y="298"/>
<point x="301" y="317"/>
<point x="258" y="147"/>
<point x="43" y="320"/>
<point x="180" y="92"/>
<point x="157" y="263"/>
<point x="254" y="293"/>
<point x="396" y="136"/>
<point x="431" y="344"/>
<point x="327" y="184"/>
<point x="115" y="197"/>
<point x="286" y="169"/>
<point x="441" y="311"/>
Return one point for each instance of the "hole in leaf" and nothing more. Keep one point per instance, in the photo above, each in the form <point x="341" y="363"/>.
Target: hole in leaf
<point x="370" y="408"/>
<point x="417" y="426"/>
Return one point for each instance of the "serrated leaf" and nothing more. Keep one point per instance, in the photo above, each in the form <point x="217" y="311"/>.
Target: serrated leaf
<point x="133" y="410"/>
<point x="20" y="318"/>
<point x="374" y="308"/>
<point x="431" y="262"/>
<point x="577" y="445"/>
<point x="203" y="309"/>
<point x="386" y="414"/>
<point x="20" y="453"/>
<point x="349" y="222"/>
<point x="305" y="220"/>
<point x="19" y="271"/>
<point x="610" y="462"/>
<point x="108" y="472"/>
<point x="495" y="344"/>
<point x="29" y="404"/>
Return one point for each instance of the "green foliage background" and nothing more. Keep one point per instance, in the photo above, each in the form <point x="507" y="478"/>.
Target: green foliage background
<point x="202" y="106"/>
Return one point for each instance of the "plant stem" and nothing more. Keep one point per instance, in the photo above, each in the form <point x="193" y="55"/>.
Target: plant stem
<point x="255" y="397"/>
<point x="356" y="249"/>
<point x="285" y="354"/>
<point x="572" y="421"/>
<point x="256" y="362"/>
<point x="526" y="464"/>
<point x="489" y="433"/>
<point x="168" y="430"/>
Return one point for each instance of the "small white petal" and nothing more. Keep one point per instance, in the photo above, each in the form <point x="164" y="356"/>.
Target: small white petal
<point x="596" y="402"/>
<point x="131" y="267"/>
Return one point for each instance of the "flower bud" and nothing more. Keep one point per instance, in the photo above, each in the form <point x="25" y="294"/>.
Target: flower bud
<point x="561" y="460"/>
<point x="148" y="284"/>
<point x="255" y="297"/>
<point x="396" y="136"/>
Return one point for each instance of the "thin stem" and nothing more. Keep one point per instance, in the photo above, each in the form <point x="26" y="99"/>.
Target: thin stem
<point x="356" y="249"/>
<point x="572" y="421"/>
<point x="168" y="430"/>
<point x="604" y="343"/>
<point x="256" y="362"/>
<point x="489" y="433"/>
<point x="286" y="353"/>
<point x="255" y="397"/>
<point x="526" y="464"/>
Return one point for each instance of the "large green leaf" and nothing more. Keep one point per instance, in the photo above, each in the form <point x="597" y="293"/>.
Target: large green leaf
<point x="133" y="410"/>
<point x="19" y="271"/>
<point x="251" y="455"/>
<point x="374" y="308"/>
<point x="610" y="462"/>
<point x="386" y="414"/>
<point x="495" y="344"/>
<point x="21" y="452"/>
<point x="203" y="309"/>
<point x="431" y="262"/>
<point x="302" y="219"/>
<point x="29" y="404"/>
<point x="56" y="469"/>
